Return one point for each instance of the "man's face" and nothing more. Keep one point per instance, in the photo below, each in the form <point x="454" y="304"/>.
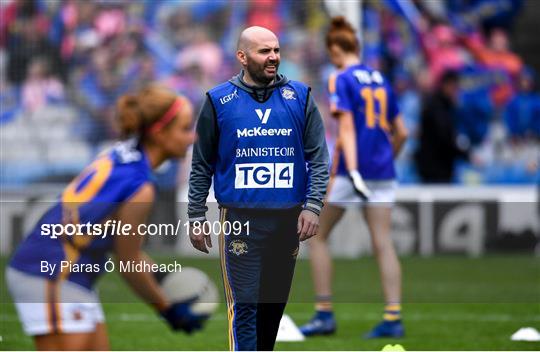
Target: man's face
<point x="262" y="61"/>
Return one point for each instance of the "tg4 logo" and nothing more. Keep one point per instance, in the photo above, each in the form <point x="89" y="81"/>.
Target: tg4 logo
<point x="264" y="175"/>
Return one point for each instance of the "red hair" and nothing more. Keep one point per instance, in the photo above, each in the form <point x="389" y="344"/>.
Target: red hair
<point x="342" y="34"/>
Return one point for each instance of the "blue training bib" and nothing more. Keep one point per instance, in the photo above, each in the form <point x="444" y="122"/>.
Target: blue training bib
<point x="260" y="161"/>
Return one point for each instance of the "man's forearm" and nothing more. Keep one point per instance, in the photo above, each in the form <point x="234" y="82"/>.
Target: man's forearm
<point x="200" y="181"/>
<point x="316" y="153"/>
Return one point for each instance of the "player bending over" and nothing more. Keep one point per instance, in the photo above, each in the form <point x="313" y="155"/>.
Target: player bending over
<point x="61" y="309"/>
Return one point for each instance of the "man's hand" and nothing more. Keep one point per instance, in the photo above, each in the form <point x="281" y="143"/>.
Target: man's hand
<point x="308" y="224"/>
<point x="359" y="185"/>
<point x="199" y="235"/>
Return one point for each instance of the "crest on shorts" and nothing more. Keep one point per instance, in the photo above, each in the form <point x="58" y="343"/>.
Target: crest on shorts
<point x="288" y="94"/>
<point x="77" y="315"/>
<point x="238" y="247"/>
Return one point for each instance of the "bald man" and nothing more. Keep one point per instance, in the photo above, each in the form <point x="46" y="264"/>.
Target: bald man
<point x="261" y="139"/>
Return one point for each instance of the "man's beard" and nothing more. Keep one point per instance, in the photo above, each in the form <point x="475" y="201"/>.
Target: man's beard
<point x="257" y="74"/>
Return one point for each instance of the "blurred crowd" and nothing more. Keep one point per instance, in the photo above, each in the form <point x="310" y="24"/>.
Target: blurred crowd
<point x="470" y="102"/>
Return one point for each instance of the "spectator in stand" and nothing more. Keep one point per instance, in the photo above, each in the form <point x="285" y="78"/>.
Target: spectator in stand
<point x="29" y="42"/>
<point x="97" y="89"/>
<point x="101" y="49"/>
<point x="9" y="94"/>
<point x="204" y="53"/>
<point x="476" y="104"/>
<point x="74" y="32"/>
<point x="13" y="14"/>
<point x="522" y="115"/>
<point x="408" y="100"/>
<point x="265" y="14"/>
<point x="40" y="87"/>
<point x="497" y="56"/>
<point x="439" y="147"/>
<point x="441" y="48"/>
<point x="141" y="72"/>
<point x="409" y="103"/>
<point x="485" y="13"/>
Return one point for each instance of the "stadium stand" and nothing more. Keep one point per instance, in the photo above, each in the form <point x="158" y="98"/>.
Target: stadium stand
<point x="63" y="64"/>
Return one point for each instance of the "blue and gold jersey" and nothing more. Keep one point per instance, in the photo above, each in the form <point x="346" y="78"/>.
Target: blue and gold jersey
<point x="365" y="93"/>
<point x="91" y="198"/>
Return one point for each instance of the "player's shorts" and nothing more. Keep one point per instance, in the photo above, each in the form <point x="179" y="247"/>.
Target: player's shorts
<point x="341" y="193"/>
<point x="48" y="307"/>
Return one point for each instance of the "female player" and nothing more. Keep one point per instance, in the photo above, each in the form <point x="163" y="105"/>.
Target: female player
<point x="371" y="134"/>
<point x="57" y="304"/>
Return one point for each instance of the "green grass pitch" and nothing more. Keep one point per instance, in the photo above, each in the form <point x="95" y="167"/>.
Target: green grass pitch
<point x="450" y="303"/>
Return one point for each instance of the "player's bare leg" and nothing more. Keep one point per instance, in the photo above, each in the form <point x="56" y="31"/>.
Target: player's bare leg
<point x="378" y="218"/>
<point x="92" y="341"/>
<point x="64" y="342"/>
<point x="319" y="252"/>
<point x="101" y="338"/>
<point x="51" y="342"/>
<point x="322" y="272"/>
